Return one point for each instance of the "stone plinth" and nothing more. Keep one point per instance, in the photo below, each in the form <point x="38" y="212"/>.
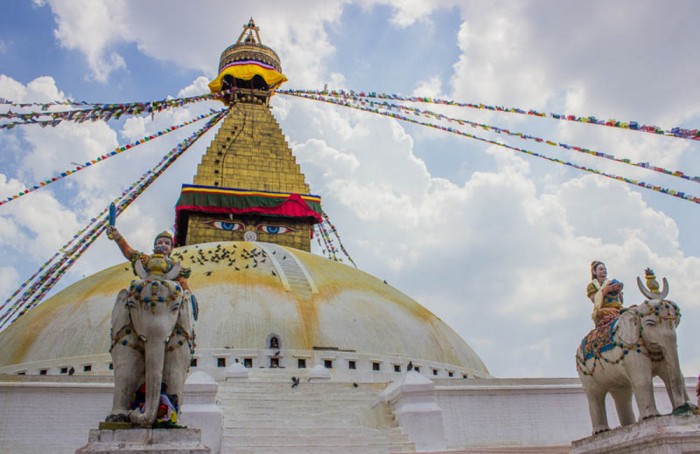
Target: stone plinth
<point x="151" y="441"/>
<point x="200" y="409"/>
<point x="665" y="434"/>
<point x="413" y="400"/>
<point x="318" y="373"/>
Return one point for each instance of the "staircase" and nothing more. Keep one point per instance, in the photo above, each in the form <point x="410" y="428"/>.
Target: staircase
<point x="290" y="270"/>
<point x="266" y="415"/>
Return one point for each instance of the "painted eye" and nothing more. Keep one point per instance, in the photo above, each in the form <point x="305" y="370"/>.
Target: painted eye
<point x="274" y="229"/>
<point x="223" y="225"/>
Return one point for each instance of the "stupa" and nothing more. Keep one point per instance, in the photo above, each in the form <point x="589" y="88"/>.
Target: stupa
<point x="245" y="227"/>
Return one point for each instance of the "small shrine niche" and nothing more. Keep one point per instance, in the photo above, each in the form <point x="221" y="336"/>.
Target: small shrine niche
<point x="273" y="342"/>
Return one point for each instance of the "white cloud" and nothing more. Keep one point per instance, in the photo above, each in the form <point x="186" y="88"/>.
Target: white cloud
<point x="93" y="28"/>
<point x="431" y="87"/>
<point x="9" y="279"/>
<point x="200" y="86"/>
<point x="295" y="31"/>
<point x="11" y="89"/>
<point x="610" y="59"/>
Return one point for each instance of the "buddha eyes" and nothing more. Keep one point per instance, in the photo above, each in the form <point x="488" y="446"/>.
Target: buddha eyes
<point x="264" y="228"/>
<point x="223" y="225"/>
<point x="274" y="229"/>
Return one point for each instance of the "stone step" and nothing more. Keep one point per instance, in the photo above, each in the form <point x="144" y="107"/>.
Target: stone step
<point x="287" y="413"/>
<point x="352" y="431"/>
<point x="316" y="449"/>
<point x="259" y="386"/>
<point x="282" y="443"/>
<point x="295" y="403"/>
<point x="304" y="401"/>
<point x="264" y="414"/>
<point x="251" y="424"/>
<point x="303" y="389"/>
<point x="293" y="394"/>
<point x="272" y="393"/>
<point x="313" y="449"/>
<point x="278" y="376"/>
<point x="284" y="415"/>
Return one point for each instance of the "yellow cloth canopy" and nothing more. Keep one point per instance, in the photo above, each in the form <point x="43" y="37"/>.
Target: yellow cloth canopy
<point x="246" y="70"/>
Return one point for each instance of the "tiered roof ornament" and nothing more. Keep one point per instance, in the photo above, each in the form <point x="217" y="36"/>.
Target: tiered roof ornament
<point x="249" y="69"/>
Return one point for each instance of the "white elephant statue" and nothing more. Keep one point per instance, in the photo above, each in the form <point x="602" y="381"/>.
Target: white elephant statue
<point x="152" y="344"/>
<point x="622" y="359"/>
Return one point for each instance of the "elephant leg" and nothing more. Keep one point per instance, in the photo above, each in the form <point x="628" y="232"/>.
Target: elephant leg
<point x="676" y="399"/>
<point x="596" y="407"/>
<point x="663" y="374"/>
<point x="640" y="373"/>
<point x="128" y="375"/>
<point x="177" y="364"/>
<point x="623" y="405"/>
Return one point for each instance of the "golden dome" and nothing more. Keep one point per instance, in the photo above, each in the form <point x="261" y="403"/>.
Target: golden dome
<point x="246" y="291"/>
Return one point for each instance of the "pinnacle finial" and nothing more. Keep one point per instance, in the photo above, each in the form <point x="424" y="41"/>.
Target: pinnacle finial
<point x="251" y="33"/>
<point x="652" y="283"/>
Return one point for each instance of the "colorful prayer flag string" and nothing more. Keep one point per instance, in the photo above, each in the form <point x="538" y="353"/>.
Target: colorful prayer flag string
<point x="671" y="192"/>
<point x="102" y="158"/>
<point x="318" y="240"/>
<point x="340" y="242"/>
<point x="44" y="282"/>
<point x="95" y="111"/>
<point x="683" y="133"/>
<point x="325" y="247"/>
<point x="496" y="129"/>
<point x="330" y="247"/>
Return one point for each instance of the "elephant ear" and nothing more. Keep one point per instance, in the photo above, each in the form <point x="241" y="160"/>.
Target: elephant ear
<point x="120" y="313"/>
<point x="628" y="327"/>
<point x="184" y="318"/>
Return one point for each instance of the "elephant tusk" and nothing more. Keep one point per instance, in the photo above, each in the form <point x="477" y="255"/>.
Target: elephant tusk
<point x="644" y="290"/>
<point x="665" y="289"/>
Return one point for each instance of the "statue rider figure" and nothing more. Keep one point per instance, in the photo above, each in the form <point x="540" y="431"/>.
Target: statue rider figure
<point x="159" y="263"/>
<point x="605" y="294"/>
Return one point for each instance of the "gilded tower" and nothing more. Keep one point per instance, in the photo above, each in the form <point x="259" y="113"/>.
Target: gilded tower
<point x="248" y="186"/>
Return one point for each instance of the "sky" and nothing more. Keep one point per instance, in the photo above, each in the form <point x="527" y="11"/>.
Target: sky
<point x="496" y="243"/>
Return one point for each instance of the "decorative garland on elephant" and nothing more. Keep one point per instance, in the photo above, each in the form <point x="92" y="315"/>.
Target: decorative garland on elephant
<point x="603" y="338"/>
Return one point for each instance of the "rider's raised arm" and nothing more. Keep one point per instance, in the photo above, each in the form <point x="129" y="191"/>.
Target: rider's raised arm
<point x="129" y="253"/>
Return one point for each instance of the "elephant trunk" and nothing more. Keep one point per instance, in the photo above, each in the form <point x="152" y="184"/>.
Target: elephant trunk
<point x="676" y="385"/>
<point x="154" y="356"/>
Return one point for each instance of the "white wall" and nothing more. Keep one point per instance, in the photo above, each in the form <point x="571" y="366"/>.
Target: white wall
<point x="522" y="412"/>
<point x="55" y="416"/>
<point x="50" y="417"/>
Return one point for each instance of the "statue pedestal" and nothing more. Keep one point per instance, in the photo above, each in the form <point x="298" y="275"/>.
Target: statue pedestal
<point x="170" y="441"/>
<point x="665" y="434"/>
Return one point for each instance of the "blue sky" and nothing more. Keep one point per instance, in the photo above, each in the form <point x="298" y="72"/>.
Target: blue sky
<point x="495" y="243"/>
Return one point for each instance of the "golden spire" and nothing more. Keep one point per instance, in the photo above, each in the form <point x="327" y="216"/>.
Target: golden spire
<point x="248" y="185"/>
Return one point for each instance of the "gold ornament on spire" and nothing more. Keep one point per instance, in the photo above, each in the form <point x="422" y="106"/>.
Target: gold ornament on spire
<point x="248" y="69"/>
